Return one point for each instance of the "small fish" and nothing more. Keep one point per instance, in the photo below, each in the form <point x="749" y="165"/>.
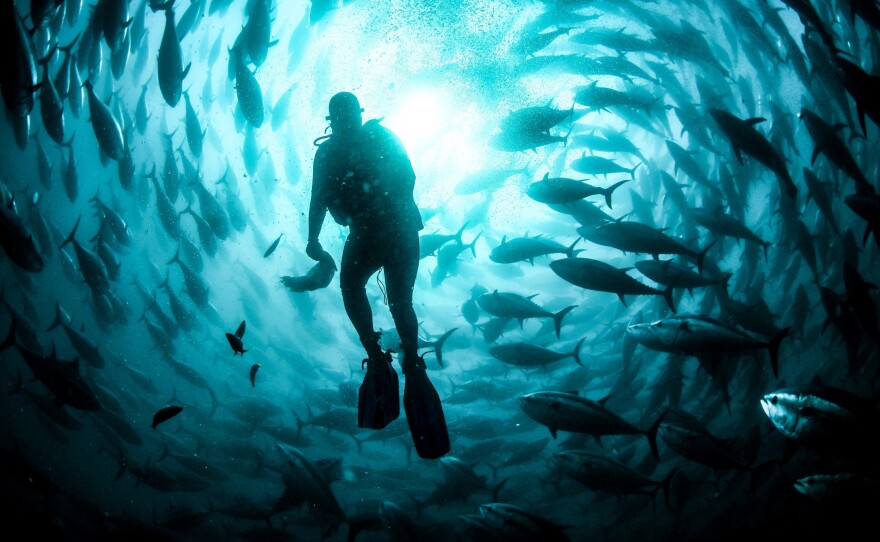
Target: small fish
<point x="235" y="340"/>
<point x="273" y="246"/>
<point x="165" y="414"/>
<point x="254" y="368"/>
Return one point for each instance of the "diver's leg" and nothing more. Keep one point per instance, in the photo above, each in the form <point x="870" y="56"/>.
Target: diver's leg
<point x="359" y="262"/>
<point x="401" y="268"/>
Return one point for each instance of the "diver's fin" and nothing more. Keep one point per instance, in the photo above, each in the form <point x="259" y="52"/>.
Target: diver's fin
<point x="379" y="394"/>
<point x="424" y="413"/>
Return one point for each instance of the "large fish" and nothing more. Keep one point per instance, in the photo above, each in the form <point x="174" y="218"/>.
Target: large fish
<point x="568" y="411"/>
<point x="171" y="70"/>
<point x="196" y="286"/>
<point x="602" y="277"/>
<point x="90" y="264"/>
<point x="523" y="354"/>
<point x="18" y="74"/>
<point x="526" y="249"/>
<point x="61" y="377"/>
<point x="258" y="31"/>
<point x="247" y="89"/>
<point x="639" y="238"/>
<point x="15" y="238"/>
<point x="825" y="418"/>
<point x="744" y="138"/>
<point x="600" y="472"/>
<point x="194" y="133"/>
<point x="564" y="190"/>
<point x="700" y="335"/>
<point x="106" y="127"/>
<point x="519" y="307"/>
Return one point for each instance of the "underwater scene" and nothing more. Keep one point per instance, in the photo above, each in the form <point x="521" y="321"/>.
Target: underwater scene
<point x="645" y="293"/>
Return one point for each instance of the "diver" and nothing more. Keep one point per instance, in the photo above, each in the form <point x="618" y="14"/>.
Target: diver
<point x="363" y="176"/>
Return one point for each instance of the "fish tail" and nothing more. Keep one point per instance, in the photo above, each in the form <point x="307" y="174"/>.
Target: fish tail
<point x="667" y="295"/>
<point x="610" y="190"/>
<point x="570" y="251"/>
<point x="773" y="348"/>
<point x="176" y="257"/>
<point x="577" y="352"/>
<point x="497" y="489"/>
<point x="702" y="255"/>
<point x="667" y="483"/>
<point x="473" y="244"/>
<point x="72" y="234"/>
<point x="438" y="345"/>
<point x="651" y="434"/>
<point x="58" y="319"/>
<point x="557" y="318"/>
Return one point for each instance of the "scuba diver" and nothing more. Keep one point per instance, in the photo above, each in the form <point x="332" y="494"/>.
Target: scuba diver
<point x="363" y="176"/>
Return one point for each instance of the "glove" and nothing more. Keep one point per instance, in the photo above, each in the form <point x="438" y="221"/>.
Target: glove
<point x="314" y="250"/>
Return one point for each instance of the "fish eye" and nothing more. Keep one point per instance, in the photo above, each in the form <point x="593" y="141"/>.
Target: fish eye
<point x="774" y="400"/>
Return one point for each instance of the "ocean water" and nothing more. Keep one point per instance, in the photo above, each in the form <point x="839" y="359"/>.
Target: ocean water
<point x="696" y="186"/>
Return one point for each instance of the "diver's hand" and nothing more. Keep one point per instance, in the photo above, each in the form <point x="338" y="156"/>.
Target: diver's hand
<point x="314" y="250"/>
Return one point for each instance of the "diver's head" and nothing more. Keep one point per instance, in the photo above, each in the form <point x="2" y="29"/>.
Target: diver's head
<point x="345" y="113"/>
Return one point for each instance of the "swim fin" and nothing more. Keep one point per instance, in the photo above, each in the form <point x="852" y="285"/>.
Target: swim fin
<point x="379" y="394"/>
<point x="424" y="413"/>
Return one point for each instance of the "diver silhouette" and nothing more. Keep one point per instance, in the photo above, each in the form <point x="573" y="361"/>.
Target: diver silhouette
<point x="363" y="176"/>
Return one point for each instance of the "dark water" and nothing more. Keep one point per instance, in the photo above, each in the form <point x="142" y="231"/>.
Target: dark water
<point x="266" y="446"/>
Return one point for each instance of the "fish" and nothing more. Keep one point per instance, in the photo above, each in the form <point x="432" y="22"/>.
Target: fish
<point x="18" y="78"/>
<point x="206" y="234"/>
<point x="685" y="161"/>
<point x="107" y="130"/>
<point x="273" y="246"/>
<point x="253" y="373"/>
<point x="83" y="345"/>
<point x="61" y="377"/>
<point x="15" y="237"/>
<point x="601" y="98"/>
<point x="235" y="339"/>
<point x="169" y="218"/>
<point x="568" y="411"/>
<point x="637" y="237"/>
<point x="744" y="138"/>
<point x="196" y="286"/>
<point x="429" y="243"/>
<point x="51" y="104"/>
<point x="91" y="266"/>
<point x="596" y="275"/>
<point x="600" y="472"/>
<point x="165" y="414"/>
<point x="527" y="248"/>
<point x="258" y="32"/>
<point x="194" y="133"/>
<point x="511" y="522"/>
<point x="825" y="418"/>
<point x="721" y="223"/>
<point x="519" y="307"/>
<point x="247" y="89"/>
<point x="828" y="143"/>
<point x="535" y="119"/>
<point x="701" y="335"/>
<point x="523" y="354"/>
<point x="861" y="87"/>
<point x="171" y="70"/>
<point x="524" y="141"/>
<point x="596" y="165"/>
<point x="559" y="190"/>
<point x="670" y="273"/>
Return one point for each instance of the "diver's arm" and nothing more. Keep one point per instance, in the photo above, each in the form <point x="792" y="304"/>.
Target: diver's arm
<point x="317" y="208"/>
